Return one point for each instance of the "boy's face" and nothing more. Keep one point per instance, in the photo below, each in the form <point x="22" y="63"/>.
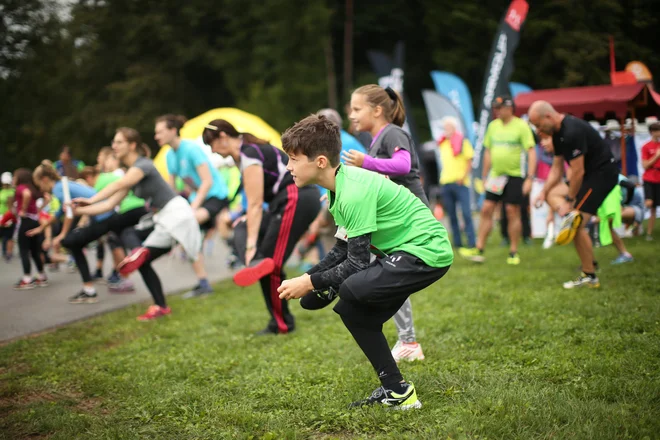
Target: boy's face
<point x="655" y="134"/>
<point x="304" y="171"/>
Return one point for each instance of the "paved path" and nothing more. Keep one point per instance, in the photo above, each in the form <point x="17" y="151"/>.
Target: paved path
<point x="31" y="311"/>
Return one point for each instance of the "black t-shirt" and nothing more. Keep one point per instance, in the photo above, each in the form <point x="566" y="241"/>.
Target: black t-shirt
<point x="578" y="138"/>
<point x="273" y="161"/>
<point x="389" y="141"/>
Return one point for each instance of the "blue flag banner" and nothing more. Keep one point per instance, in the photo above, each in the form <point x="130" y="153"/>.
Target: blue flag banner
<point x="456" y="91"/>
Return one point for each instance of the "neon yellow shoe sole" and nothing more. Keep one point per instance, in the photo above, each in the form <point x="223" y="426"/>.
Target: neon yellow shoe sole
<point x="569" y="227"/>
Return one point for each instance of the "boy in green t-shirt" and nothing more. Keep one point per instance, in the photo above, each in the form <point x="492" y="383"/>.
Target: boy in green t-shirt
<point x="377" y="216"/>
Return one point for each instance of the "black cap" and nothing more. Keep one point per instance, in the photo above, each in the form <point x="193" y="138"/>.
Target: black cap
<point x="503" y="101"/>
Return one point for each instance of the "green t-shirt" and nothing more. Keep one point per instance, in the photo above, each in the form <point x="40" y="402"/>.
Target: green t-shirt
<point x="5" y="195"/>
<point x="129" y="202"/>
<point x="508" y="144"/>
<point x="366" y="202"/>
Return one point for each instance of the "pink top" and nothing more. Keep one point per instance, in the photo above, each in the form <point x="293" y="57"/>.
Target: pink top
<point x="32" y="204"/>
<point x="398" y="165"/>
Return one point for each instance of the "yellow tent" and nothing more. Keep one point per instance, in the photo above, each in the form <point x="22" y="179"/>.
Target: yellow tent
<point x="243" y="121"/>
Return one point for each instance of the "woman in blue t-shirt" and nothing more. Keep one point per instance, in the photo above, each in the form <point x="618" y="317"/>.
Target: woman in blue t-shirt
<point x="208" y="190"/>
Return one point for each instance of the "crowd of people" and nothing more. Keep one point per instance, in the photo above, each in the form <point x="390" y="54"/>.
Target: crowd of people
<point x="389" y="244"/>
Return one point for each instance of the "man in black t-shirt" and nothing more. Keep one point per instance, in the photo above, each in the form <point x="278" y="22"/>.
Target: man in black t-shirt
<point x="593" y="176"/>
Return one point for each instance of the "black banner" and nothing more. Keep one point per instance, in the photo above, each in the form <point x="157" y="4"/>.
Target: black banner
<point x="499" y="69"/>
<point x="390" y="73"/>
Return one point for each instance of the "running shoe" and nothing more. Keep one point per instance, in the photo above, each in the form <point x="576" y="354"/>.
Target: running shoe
<point x="114" y="278"/>
<point x="568" y="228"/>
<point x="468" y="252"/>
<point x="41" y="281"/>
<point x="513" y="260"/>
<point x="84" y="298"/>
<point x="388" y="398"/>
<point x="123" y="286"/>
<point x="254" y="272"/>
<point x="154" y="312"/>
<point x="133" y="262"/>
<point x="583" y="280"/>
<point x="24" y="285"/>
<point x="198" y="291"/>
<point x="623" y="258"/>
<point x="407" y="351"/>
<point x="649" y="237"/>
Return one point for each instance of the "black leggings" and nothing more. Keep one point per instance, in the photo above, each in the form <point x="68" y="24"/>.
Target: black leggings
<point x="132" y="239"/>
<point x="78" y="238"/>
<point x="6" y="235"/>
<point x="29" y="246"/>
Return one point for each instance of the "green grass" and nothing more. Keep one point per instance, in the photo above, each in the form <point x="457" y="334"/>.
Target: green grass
<point x="509" y="354"/>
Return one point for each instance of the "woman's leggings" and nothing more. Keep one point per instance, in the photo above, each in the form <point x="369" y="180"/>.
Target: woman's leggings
<point x="29" y="246"/>
<point x="77" y="239"/>
<point x="132" y="238"/>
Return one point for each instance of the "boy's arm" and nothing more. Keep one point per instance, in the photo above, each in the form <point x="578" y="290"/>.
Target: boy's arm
<point x="336" y="255"/>
<point x="357" y="259"/>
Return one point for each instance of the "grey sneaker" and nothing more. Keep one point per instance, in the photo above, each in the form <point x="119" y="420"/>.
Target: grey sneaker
<point x="197" y="292"/>
<point x="123" y="286"/>
<point x="583" y="280"/>
<point x="84" y="298"/>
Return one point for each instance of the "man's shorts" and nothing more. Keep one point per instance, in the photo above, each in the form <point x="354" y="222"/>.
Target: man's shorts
<point x="512" y="194"/>
<point x="214" y="206"/>
<point x="595" y="188"/>
<point x="652" y="192"/>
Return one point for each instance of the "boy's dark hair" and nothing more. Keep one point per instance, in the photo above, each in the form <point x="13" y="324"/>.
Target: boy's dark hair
<point x="654" y="126"/>
<point x="314" y="136"/>
<point x="172" y="121"/>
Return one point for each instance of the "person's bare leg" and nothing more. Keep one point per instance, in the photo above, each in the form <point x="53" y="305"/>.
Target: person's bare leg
<point x="515" y="226"/>
<point x="485" y="223"/>
<point x="584" y="246"/>
<point x="651" y="222"/>
<point x="618" y="243"/>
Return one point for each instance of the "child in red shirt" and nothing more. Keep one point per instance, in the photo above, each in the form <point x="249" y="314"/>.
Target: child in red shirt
<point x="651" y="164"/>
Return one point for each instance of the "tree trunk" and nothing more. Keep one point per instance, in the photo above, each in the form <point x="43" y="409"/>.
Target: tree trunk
<point x="348" y="48"/>
<point x="330" y="69"/>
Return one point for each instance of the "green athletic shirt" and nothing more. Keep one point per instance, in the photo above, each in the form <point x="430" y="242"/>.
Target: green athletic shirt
<point x="366" y="202"/>
<point x="5" y="194"/>
<point x="129" y="202"/>
<point x="507" y="145"/>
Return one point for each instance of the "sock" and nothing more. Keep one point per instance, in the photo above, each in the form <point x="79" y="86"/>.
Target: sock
<point x="590" y="275"/>
<point x="89" y="290"/>
<point x="204" y="283"/>
<point x="481" y="251"/>
<point x="99" y="273"/>
<point x="42" y="276"/>
<point x="398" y="387"/>
<point x="27" y="278"/>
<point x="512" y="254"/>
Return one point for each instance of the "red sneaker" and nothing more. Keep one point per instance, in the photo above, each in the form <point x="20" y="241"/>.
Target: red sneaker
<point x="24" y="285"/>
<point x="133" y="262"/>
<point x="154" y="312"/>
<point x="256" y="271"/>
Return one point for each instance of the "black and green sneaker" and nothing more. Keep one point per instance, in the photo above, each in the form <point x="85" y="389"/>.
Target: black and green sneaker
<point x="388" y="398"/>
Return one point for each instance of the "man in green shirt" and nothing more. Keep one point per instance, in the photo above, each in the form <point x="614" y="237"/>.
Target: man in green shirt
<point x="376" y="216"/>
<point x="508" y="169"/>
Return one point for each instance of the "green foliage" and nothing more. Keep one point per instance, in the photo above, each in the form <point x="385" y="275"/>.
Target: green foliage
<point x="123" y="62"/>
<point x="509" y="354"/>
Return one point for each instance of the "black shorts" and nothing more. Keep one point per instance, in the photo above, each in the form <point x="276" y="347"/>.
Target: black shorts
<point x="652" y="192"/>
<point x="214" y="206"/>
<point x="595" y="188"/>
<point x="378" y="292"/>
<point x="512" y="194"/>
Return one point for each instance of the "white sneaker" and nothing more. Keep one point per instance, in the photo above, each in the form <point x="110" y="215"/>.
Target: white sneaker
<point x="407" y="351"/>
<point x="549" y="237"/>
<point x="583" y="280"/>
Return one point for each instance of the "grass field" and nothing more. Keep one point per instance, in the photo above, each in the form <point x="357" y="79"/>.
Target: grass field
<point x="509" y="355"/>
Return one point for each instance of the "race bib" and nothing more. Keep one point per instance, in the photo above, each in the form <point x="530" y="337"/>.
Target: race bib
<point x="495" y="185"/>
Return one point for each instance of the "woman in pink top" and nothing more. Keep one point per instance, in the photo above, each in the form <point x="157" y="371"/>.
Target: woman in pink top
<point x="28" y="217"/>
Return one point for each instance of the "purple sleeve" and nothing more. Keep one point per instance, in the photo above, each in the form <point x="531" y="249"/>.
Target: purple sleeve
<point x="398" y="165"/>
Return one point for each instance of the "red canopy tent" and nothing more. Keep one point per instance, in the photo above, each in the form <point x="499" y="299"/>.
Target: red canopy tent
<point x="598" y="102"/>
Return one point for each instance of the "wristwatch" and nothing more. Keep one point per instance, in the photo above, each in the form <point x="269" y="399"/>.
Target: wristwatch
<point x="249" y="247"/>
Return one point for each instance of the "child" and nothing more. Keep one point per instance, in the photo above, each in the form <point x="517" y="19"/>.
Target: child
<point x="378" y="214"/>
<point x="381" y="112"/>
<point x="651" y="164"/>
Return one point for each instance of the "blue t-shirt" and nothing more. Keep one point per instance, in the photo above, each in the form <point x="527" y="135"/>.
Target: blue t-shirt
<point x="348" y="142"/>
<point x="77" y="190"/>
<point x="184" y="162"/>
